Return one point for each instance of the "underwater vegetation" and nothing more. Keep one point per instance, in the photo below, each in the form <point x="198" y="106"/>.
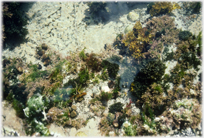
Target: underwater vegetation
<point x="192" y="7"/>
<point x="148" y="42"/>
<point x="152" y="72"/>
<point x="41" y="54"/>
<point x="12" y="87"/>
<point x="159" y="8"/>
<point x="184" y="35"/>
<point x="99" y="10"/>
<point x="36" y="73"/>
<point x="93" y="63"/>
<point x="137" y="40"/>
<point x="13" y="21"/>
<point x="111" y="67"/>
<point x="165" y="101"/>
<point x="35" y="112"/>
<point x="155" y="98"/>
<point x="196" y="6"/>
<point x="117" y="107"/>
<point x="117" y="88"/>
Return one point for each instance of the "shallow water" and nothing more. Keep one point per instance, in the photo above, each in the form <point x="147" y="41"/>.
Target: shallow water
<point x="50" y="72"/>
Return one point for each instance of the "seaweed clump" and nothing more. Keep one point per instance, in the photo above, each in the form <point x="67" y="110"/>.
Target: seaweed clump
<point x="40" y="51"/>
<point x="152" y="72"/>
<point x="12" y="87"/>
<point x="98" y="9"/>
<point x="159" y="8"/>
<point x="35" y="113"/>
<point x="184" y="35"/>
<point x="153" y="98"/>
<point x="137" y="40"/>
<point x="148" y="42"/>
<point x="192" y="7"/>
<point x="13" y="21"/>
<point x="111" y="67"/>
<point x="195" y="6"/>
<point x="93" y="63"/>
<point x="117" y="107"/>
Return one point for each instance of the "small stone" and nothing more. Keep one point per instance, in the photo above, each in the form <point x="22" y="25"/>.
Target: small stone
<point x="73" y="114"/>
<point x="146" y="127"/>
<point x="46" y="62"/>
<point x="44" y="46"/>
<point x="40" y="52"/>
<point x="57" y="131"/>
<point x="132" y="16"/>
<point x="115" y="123"/>
<point x="20" y="69"/>
<point x="92" y="124"/>
<point x="105" y="89"/>
<point x="92" y="95"/>
<point x="74" y="107"/>
<point x="86" y="109"/>
<point x="157" y="119"/>
<point x="111" y="84"/>
<point x="39" y="66"/>
<point x="111" y="133"/>
<point x="126" y="124"/>
<point x="105" y="113"/>
<point x="95" y="90"/>
<point x="80" y="99"/>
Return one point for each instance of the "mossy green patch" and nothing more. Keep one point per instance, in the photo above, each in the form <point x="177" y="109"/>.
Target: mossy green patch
<point x="111" y="67"/>
<point x="151" y="73"/>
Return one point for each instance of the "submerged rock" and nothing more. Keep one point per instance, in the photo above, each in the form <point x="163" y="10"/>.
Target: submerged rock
<point x="73" y="114"/>
<point x="132" y="16"/>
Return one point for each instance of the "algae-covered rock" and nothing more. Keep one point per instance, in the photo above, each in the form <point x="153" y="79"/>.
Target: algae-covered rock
<point x="73" y="114"/>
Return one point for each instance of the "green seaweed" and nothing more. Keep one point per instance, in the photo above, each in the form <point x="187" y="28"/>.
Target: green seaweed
<point x="116" y="107"/>
<point x="151" y="73"/>
<point x="195" y="6"/>
<point x="111" y="67"/>
<point x="199" y="40"/>
<point x="18" y="106"/>
<point x="105" y="96"/>
<point x="83" y="77"/>
<point x="82" y="55"/>
<point x="56" y="75"/>
<point x="14" y="24"/>
<point x="104" y="74"/>
<point x="184" y="35"/>
<point x="36" y="73"/>
<point x="116" y="88"/>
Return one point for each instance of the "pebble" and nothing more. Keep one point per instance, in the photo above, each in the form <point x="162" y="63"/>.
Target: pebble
<point x="74" y="107"/>
<point x="73" y="114"/>
<point x="132" y="16"/>
<point x="105" y="88"/>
